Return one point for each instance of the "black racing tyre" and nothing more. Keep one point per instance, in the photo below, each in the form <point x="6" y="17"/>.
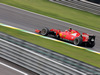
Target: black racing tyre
<point x="45" y="31"/>
<point x="78" y="41"/>
<point x="57" y="36"/>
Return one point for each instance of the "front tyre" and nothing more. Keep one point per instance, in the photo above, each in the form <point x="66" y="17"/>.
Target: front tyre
<point x="57" y="36"/>
<point x="45" y="31"/>
<point x="78" y="41"/>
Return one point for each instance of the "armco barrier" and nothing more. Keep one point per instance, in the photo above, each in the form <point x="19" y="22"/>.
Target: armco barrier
<point x="33" y="61"/>
<point x="65" y="60"/>
<point x="81" y="5"/>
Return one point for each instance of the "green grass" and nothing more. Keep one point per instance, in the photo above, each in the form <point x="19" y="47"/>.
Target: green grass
<point x="80" y="54"/>
<point x="57" y="11"/>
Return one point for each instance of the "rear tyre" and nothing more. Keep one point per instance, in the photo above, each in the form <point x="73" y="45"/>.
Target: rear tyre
<point x="45" y="31"/>
<point x="78" y="41"/>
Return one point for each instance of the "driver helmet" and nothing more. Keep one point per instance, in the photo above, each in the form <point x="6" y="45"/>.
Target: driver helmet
<point x="70" y="29"/>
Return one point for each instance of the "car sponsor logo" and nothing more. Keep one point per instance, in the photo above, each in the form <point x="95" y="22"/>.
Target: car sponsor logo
<point x="60" y="34"/>
<point x="64" y="36"/>
<point x="86" y="37"/>
<point x="92" y="39"/>
<point x="74" y="34"/>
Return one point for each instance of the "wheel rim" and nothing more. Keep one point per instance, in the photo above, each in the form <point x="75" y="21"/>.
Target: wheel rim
<point x="43" y="31"/>
<point x="76" y="41"/>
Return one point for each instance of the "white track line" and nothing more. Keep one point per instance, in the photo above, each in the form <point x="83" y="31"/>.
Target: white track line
<point x="13" y="68"/>
<point x="48" y="17"/>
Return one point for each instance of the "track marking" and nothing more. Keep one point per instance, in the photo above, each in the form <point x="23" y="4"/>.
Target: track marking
<point x="48" y="17"/>
<point x="13" y="68"/>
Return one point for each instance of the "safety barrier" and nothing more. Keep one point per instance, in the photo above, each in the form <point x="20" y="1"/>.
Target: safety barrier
<point x="65" y="60"/>
<point x="81" y="5"/>
<point x="33" y="61"/>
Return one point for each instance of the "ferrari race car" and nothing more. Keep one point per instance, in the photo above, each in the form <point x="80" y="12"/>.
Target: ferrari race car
<point x="70" y="35"/>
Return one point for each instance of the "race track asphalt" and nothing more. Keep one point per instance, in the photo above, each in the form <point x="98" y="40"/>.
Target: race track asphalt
<point x="5" y="70"/>
<point x="31" y="21"/>
<point x="10" y="69"/>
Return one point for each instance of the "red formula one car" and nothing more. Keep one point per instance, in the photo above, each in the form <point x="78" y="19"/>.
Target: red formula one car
<point x="70" y="35"/>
